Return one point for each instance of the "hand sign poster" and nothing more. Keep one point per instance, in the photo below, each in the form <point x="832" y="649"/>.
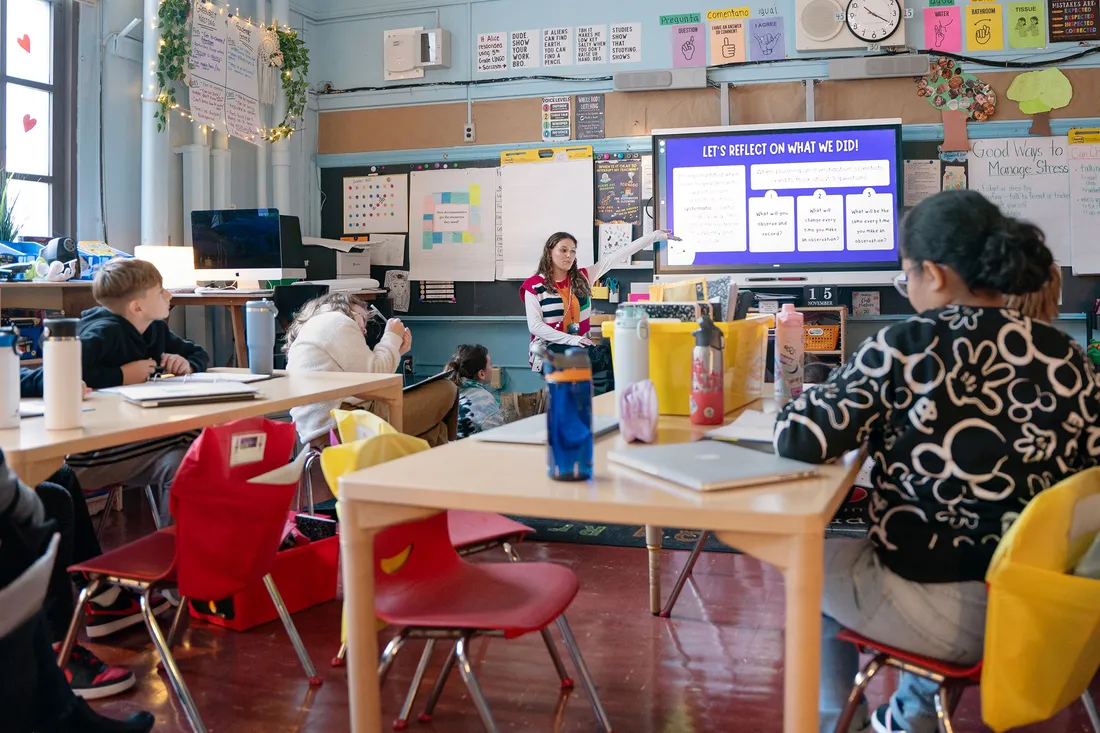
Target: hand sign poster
<point x="689" y="45"/>
<point x="766" y="41"/>
<point x="727" y="42"/>
<point x="984" y="30"/>
<point x="943" y="29"/>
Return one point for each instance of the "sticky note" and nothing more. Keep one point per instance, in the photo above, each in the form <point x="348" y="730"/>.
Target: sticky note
<point x="984" y="29"/>
<point x="467" y="237"/>
<point x="475" y="194"/>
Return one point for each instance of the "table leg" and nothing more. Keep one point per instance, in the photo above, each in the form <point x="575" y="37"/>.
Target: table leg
<point x="357" y="559"/>
<point x="394" y="398"/>
<point x="801" y="559"/>
<point x="654" y="541"/>
<point x="240" y="342"/>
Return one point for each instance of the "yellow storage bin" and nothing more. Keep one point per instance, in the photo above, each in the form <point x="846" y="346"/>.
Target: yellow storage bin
<point x="670" y="346"/>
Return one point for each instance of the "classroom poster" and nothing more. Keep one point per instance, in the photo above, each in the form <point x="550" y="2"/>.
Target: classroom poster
<point x="526" y="49"/>
<point x="689" y="45"/>
<point x="224" y="92"/>
<point x="590" y="117"/>
<point x="591" y="44"/>
<point x="727" y="42"/>
<point x="984" y="29"/>
<point x="1028" y="178"/>
<point x="557" y="47"/>
<point x="452" y="218"/>
<point x="492" y="52"/>
<point x="619" y="190"/>
<point x="557" y="118"/>
<point x="922" y="179"/>
<point x="943" y="29"/>
<point x="1074" y="20"/>
<point x="626" y="43"/>
<point x="1027" y="25"/>
<point x="378" y="203"/>
<point x="1084" y="177"/>
<point x="766" y="39"/>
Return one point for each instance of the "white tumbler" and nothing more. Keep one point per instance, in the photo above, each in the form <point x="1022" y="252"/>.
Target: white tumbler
<point x="61" y="383"/>
<point x="9" y="378"/>
<point x="630" y="353"/>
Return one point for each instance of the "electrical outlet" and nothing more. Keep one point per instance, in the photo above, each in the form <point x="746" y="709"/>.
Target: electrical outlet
<point x="497" y="380"/>
<point x="468" y="132"/>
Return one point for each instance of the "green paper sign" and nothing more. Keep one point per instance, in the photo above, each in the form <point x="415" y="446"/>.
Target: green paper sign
<point x="940" y="3"/>
<point x="680" y="19"/>
<point x="1027" y="25"/>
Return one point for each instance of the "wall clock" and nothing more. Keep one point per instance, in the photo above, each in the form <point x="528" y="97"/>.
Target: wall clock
<point x="873" y="21"/>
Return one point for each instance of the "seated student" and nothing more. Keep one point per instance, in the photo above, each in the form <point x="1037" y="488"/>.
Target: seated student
<point x="124" y="341"/>
<point x="328" y="335"/>
<point x="478" y="408"/>
<point x="1042" y="305"/>
<point x="968" y="410"/>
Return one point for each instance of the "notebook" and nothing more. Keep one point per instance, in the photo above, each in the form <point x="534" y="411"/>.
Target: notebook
<point x="532" y="430"/>
<point x="711" y="465"/>
<point x="158" y="394"/>
<point x="751" y="425"/>
<point x="211" y="377"/>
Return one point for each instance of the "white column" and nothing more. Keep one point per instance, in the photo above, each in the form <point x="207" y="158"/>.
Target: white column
<point x="220" y="160"/>
<point x="260" y="17"/>
<point x="196" y="177"/>
<point x="280" y="151"/>
<point x="154" y="145"/>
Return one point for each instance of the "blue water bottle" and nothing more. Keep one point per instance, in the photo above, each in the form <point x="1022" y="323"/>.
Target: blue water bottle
<point x="569" y="415"/>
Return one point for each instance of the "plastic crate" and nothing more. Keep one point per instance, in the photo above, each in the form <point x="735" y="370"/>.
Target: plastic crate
<point x="821" y="338"/>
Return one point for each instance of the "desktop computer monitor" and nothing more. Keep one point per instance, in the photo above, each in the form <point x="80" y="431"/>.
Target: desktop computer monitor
<point x="246" y="245"/>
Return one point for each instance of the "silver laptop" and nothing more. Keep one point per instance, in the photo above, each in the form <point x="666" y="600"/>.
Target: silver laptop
<point x="711" y="465"/>
<point x="532" y="430"/>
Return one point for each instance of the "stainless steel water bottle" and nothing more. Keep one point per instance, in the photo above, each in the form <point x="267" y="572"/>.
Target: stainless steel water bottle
<point x="707" y="375"/>
<point x="259" y="322"/>
<point x="569" y="415"/>
<point x="9" y="377"/>
<point x="61" y="375"/>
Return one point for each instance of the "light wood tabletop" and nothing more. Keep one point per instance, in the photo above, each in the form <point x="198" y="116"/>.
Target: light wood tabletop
<point x="781" y="523"/>
<point x="34" y="453"/>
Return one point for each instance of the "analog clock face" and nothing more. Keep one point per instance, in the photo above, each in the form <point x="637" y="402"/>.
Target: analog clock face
<point x="873" y="21"/>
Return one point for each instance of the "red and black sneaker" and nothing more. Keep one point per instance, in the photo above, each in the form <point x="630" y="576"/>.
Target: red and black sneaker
<point x="91" y="678"/>
<point x="111" y="611"/>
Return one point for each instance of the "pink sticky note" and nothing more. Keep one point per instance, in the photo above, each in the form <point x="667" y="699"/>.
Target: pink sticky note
<point x="943" y="29"/>
<point x="429" y="204"/>
<point x="689" y="45"/>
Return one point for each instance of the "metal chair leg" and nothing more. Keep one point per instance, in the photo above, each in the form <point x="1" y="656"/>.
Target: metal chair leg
<point x="153" y="505"/>
<point x="388" y="656"/>
<point x="467" y="671"/>
<point x="112" y="497"/>
<point x="654" y="539"/>
<point x="402" y="721"/>
<point x="863" y="678"/>
<point x="66" y="649"/>
<point x="688" y="567"/>
<point x="175" y="679"/>
<point x="510" y="550"/>
<point x="291" y="631"/>
<point x="341" y="653"/>
<point x="178" y="622"/>
<point x="943" y="707"/>
<point x="563" y="674"/>
<point x="437" y="688"/>
<point x="1090" y="709"/>
<point x="585" y="675"/>
<point x="307" y="480"/>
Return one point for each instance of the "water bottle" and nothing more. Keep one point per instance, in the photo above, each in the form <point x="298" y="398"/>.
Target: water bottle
<point x="61" y="383"/>
<point x="260" y="335"/>
<point x="708" y="401"/>
<point x="9" y="378"/>
<point x="569" y="415"/>
<point x="630" y="352"/>
<point x="789" y="354"/>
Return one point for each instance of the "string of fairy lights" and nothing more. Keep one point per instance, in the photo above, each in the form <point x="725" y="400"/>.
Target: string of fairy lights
<point x="272" y="134"/>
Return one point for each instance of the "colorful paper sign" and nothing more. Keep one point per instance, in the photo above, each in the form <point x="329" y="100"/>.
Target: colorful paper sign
<point x="1074" y="20"/>
<point x="1027" y="25"/>
<point x="680" y="19"/>
<point x="626" y="43"/>
<point x="727" y="42"/>
<point x="943" y="29"/>
<point x="984" y="29"/>
<point x="728" y="14"/>
<point x="557" y="118"/>
<point x="689" y="46"/>
<point x="940" y="3"/>
<point x="766" y="39"/>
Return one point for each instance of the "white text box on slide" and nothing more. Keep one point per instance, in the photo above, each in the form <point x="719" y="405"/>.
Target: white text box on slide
<point x="771" y="223"/>
<point x="451" y="218"/>
<point x="708" y="211"/>
<point x="821" y="222"/>
<point x="839" y="174"/>
<point x="870" y="220"/>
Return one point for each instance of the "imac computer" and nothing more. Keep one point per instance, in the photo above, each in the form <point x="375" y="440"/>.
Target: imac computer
<point x="780" y="205"/>
<point x="249" y="246"/>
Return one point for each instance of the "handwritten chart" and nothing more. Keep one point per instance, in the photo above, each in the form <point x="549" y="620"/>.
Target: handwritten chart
<point x="224" y="88"/>
<point x="1084" y="177"/>
<point x="378" y="203"/>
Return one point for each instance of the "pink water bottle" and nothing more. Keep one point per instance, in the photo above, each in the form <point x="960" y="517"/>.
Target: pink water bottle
<point x="789" y="354"/>
<point x="707" y="396"/>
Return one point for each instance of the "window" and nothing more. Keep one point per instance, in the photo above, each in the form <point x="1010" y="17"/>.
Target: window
<point x="34" y="106"/>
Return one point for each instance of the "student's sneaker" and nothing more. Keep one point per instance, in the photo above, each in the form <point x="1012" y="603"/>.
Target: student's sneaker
<point x="882" y="721"/>
<point x="91" y="678"/>
<point x="116" y="609"/>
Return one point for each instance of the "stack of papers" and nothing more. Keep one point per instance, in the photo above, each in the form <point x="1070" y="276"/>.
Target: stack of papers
<point x="212" y="377"/>
<point x="750" y="426"/>
<point x="163" y="392"/>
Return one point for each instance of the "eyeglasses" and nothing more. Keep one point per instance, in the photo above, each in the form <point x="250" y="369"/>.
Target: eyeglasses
<point x="901" y="283"/>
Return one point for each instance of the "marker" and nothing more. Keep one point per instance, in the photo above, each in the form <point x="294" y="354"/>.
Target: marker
<point x="775" y="279"/>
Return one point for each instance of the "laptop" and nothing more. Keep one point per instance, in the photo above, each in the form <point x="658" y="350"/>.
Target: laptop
<point x="711" y="465"/>
<point x="532" y="430"/>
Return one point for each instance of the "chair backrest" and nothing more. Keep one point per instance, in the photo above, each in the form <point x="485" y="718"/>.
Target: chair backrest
<point x="337" y="460"/>
<point x="228" y="526"/>
<point x="410" y="556"/>
<point x="352" y="425"/>
<point x="289" y="299"/>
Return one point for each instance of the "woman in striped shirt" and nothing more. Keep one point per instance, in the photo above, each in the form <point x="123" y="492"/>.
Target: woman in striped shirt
<point x="557" y="297"/>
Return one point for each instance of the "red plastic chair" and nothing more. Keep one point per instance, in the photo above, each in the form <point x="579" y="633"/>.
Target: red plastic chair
<point x="952" y="679"/>
<point x="423" y="586"/>
<point x="227" y="532"/>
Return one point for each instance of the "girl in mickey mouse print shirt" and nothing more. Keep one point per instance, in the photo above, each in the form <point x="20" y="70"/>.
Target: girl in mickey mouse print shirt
<point x="968" y="410"/>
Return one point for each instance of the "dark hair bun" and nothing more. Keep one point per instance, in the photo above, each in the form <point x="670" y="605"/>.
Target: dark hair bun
<point x="1015" y="259"/>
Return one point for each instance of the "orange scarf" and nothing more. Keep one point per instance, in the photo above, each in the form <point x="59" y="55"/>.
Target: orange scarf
<point x="572" y="311"/>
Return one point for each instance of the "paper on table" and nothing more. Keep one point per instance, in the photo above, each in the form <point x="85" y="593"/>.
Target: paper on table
<point x="37" y="408"/>
<point x="751" y="425"/>
<point x="208" y="377"/>
<point x="922" y="179"/>
<point x="387" y="250"/>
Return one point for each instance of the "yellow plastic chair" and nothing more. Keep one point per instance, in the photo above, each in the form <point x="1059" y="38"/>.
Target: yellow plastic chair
<point x="353" y="425"/>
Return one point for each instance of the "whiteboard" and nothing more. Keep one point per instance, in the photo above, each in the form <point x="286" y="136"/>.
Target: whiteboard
<point x="1084" y="186"/>
<point x="452" y="225"/>
<point x="539" y="199"/>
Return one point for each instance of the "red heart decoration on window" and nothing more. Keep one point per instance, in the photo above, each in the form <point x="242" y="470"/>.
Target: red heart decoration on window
<point x="29" y="123"/>
<point x="24" y="43"/>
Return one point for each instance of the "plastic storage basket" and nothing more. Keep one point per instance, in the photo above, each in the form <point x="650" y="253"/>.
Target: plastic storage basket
<point x="821" y="338"/>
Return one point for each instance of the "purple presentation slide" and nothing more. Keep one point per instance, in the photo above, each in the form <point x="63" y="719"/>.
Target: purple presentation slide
<point x="816" y="198"/>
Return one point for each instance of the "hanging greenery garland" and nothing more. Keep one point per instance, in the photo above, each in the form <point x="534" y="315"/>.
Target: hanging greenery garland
<point x="292" y="60"/>
<point x="174" y="55"/>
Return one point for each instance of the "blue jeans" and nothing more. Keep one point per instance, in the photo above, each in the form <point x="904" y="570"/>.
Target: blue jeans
<point x="945" y="621"/>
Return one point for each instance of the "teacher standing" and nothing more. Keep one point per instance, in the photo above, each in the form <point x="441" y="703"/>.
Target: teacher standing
<point x="558" y="297"/>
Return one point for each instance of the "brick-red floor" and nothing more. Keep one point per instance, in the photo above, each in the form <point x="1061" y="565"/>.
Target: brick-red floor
<point x="715" y="667"/>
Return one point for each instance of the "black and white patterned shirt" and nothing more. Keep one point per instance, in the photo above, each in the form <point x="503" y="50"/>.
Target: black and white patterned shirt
<point x="967" y="413"/>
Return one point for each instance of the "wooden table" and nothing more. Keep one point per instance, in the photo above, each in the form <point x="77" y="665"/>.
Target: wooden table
<point x="235" y="302"/>
<point x="34" y="453"/>
<point x="781" y="524"/>
<point x="69" y="297"/>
